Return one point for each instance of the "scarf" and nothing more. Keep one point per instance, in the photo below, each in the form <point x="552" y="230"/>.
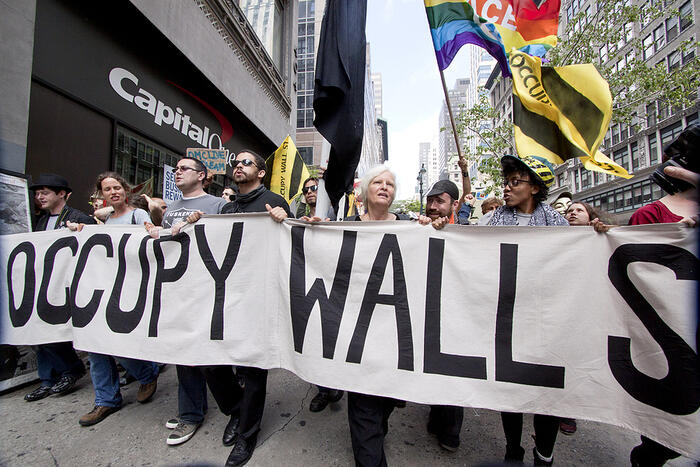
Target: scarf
<point x="544" y="214"/>
<point x="241" y="201"/>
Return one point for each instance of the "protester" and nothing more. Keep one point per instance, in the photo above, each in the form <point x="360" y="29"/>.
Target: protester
<point x="310" y="192"/>
<point x="100" y="209"/>
<point x="580" y="213"/>
<point x="252" y="196"/>
<point x="490" y="203"/>
<point x="368" y="415"/>
<point x="103" y="368"/>
<point x="444" y="421"/>
<point x="190" y="175"/>
<point x="526" y="182"/>
<point x="562" y="202"/>
<point x="228" y="194"/>
<point x="681" y="205"/>
<point x="58" y="366"/>
<point x="156" y="208"/>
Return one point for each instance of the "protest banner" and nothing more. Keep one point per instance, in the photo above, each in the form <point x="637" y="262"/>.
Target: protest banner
<point x="551" y="320"/>
<point x="170" y="191"/>
<point x="215" y="160"/>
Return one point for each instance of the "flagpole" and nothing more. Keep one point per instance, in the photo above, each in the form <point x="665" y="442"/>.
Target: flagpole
<point x="454" y="127"/>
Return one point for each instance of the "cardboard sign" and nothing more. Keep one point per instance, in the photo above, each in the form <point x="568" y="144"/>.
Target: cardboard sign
<point x="214" y="160"/>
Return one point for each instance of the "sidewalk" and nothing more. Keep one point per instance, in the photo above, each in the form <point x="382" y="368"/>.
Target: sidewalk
<point x="46" y="433"/>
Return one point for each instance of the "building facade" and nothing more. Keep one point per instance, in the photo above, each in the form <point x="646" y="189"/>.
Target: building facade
<point x="197" y="73"/>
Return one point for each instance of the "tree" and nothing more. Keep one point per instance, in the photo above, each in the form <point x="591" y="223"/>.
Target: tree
<point x="405" y="206"/>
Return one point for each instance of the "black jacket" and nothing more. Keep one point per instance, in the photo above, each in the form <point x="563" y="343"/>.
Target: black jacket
<point x="67" y="214"/>
<point x="255" y="201"/>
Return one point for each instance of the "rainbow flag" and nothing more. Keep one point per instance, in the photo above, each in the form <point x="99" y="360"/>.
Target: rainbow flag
<point x="499" y="27"/>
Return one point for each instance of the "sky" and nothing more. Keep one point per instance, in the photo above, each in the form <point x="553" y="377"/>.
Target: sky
<point x="401" y="49"/>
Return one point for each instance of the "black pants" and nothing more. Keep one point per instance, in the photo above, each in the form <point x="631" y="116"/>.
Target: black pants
<point x="652" y="454"/>
<point x="546" y="429"/>
<point x="368" y="417"/>
<point x="192" y="390"/>
<point x="251" y="404"/>
<point x="446" y="422"/>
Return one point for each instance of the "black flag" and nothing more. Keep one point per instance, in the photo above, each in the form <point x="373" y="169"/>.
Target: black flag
<point x="339" y="91"/>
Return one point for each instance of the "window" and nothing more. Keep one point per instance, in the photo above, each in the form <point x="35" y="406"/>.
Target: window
<point x="629" y="32"/>
<point x="669" y="133"/>
<point x="674" y="60"/>
<point x="688" y="55"/>
<point x="604" y="54"/>
<point x="653" y="150"/>
<point x="615" y="134"/>
<point x="663" y="110"/>
<point x="635" y="156"/>
<point x="622" y="158"/>
<point x="686" y="15"/>
<point x="307" y="153"/>
<point x="585" y="179"/>
<point x="651" y="114"/>
<point x="266" y="19"/>
<point x="671" y="28"/>
<point x="648" y="45"/>
<point x="659" y="38"/>
<point x="577" y="180"/>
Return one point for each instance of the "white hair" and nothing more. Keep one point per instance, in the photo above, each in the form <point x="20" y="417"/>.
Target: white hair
<point x="370" y="175"/>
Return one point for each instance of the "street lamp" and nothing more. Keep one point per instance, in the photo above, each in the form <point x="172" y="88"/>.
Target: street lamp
<point x="420" y="181"/>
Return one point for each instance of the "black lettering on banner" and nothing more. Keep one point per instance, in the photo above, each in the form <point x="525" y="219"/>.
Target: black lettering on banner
<point x="219" y="275"/>
<point x="399" y="300"/>
<point x="677" y="393"/>
<point x="508" y="370"/>
<point x="20" y="315"/>
<point x="54" y="314"/>
<point x="125" y="321"/>
<point x="83" y="315"/>
<point x="434" y="361"/>
<point x="166" y="275"/>
<point x="330" y="306"/>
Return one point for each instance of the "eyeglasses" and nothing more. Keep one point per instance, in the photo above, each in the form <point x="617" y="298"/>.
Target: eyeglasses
<point x="245" y="162"/>
<point x="184" y="168"/>
<point x="306" y="189"/>
<point x="513" y="182"/>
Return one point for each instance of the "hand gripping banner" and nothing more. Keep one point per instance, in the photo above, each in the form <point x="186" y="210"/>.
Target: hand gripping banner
<point x="551" y="320"/>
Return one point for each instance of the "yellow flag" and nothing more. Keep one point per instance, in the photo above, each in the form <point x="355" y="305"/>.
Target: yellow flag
<point x="561" y="112"/>
<point x="286" y="171"/>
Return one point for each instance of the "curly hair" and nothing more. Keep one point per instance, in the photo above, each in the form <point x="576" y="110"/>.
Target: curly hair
<point x="122" y="181"/>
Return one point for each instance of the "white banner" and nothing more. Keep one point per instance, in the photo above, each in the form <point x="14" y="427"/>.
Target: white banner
<point x="552" y="320"/>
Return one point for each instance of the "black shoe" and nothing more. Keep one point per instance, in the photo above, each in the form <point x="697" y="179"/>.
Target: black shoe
<point x="230" y="431"/>
<point x="38" y="394"/>
<point x="241" y="452"/>
<point x="537" y="460"/>
<point x="514" y="455"/>
<point x="64" y="384"/>
<point x="335" y="395"/>
<point x="319" y="402"/>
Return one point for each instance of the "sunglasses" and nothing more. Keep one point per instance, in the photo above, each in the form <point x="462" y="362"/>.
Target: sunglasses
<point x="184" y="169"/>
<point x="245" y="162"/>
<point x="306" y="189"/>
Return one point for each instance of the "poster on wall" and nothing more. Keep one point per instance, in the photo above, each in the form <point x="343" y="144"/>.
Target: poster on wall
<point x="15" y="207"/>
<point x="17" y="363"/>
<point x="170" y="191"/>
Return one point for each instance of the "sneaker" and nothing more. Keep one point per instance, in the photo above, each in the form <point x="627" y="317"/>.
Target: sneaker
<point x="96" y="415"/>
<point x="38" y="394"/>
<point x="182" y="433"/>
<point x="146" y="391"/>
<point x="448" y="446"/>
<point x="241" y="452"/>
<point x="65" y="384"/>
<point x="567" y="426"/>
<point x="538" y="460"/>
<point x="319" y="402"/>
<point x="172" y="423"/>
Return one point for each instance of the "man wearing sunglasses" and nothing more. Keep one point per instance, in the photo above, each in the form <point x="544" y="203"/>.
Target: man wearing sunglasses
<point x="242" y="430"/>
<point x="310" y="192"/>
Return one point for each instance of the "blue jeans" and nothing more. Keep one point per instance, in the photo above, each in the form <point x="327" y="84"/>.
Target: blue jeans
<point x="56" y="360"/>
<point x="105" y="376"/>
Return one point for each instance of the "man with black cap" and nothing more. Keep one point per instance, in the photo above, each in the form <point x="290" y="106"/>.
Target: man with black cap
<point x="443" y="203"/>
<point x="58" y="365"/>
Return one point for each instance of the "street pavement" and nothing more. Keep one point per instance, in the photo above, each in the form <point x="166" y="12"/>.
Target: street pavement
<point x="46" y="433"/>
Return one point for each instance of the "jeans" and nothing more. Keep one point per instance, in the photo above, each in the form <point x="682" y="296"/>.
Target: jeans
<point x="192" y="391"/>
<point x="105" y="376"/>
<point x="56" y="360"/>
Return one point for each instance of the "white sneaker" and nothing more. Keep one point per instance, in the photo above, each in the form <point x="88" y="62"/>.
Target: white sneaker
<point x="182" y="432"/>
<point x="172" y="423"/>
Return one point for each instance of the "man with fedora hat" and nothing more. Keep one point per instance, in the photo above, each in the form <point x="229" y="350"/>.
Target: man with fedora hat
<point x="58" y="365"/>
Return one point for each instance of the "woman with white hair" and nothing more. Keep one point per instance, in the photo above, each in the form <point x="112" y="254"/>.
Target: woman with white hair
<point x="378" y="190"/>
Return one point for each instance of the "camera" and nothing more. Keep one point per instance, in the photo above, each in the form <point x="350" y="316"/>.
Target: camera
<point x="681" y="152"/>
